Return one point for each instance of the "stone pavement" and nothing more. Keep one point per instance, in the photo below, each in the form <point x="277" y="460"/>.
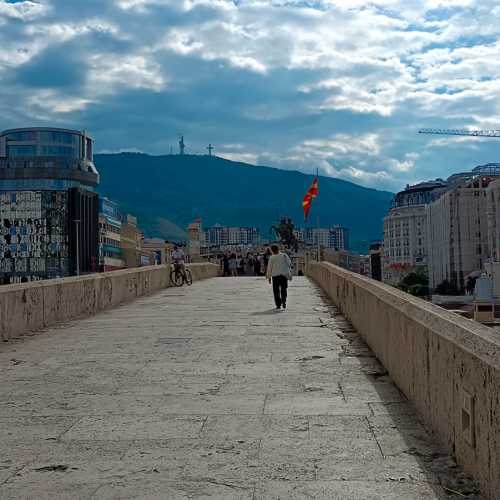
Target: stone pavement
<point x="206" y="392"/>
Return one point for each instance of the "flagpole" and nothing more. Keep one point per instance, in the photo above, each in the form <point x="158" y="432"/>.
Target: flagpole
<point x="317" y="239"/>
<point x="319" y="249"/>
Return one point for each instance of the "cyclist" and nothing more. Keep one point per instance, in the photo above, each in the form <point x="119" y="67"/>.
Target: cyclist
<point x="178" y="258"/>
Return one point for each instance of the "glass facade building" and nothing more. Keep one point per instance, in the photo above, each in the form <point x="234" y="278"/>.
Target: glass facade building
<point x="48" y="207"/>
<point x="46" y="159"/>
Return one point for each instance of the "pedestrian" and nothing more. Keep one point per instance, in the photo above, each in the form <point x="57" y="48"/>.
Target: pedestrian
<point x="249" y="264"/>
<point x="225" y="265"/>
<point x="279" y="272"/>
<point x="262" y="267"/>
<point x="256" y="265"/>
<point x="266" y="257"/>
<point x="233" y="265"/>
<point x="241" y="266"/>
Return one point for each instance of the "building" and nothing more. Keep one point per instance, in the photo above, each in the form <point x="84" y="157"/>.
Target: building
<point x="317" y="235"/>
<point x="339" y="238"/>
<point x="459" y="242"/>
<point x="333" y="237"/>
<point x="221" y="236"/>
<point x="158" y="249"/>
<point x="48" y="207"/>
<point x="376" y="260"/>
<point x="493" y="214"/>
<point x="131" y="242"/>
<point x="348" y="260"/>
<point x="196" y="240"/>
<point x="405" y="230"/>
<point x="110" y="229"/>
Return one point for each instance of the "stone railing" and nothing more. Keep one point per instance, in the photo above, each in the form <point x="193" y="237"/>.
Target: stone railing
<point x="33" y="306"/>
<point x="448" y="366"/>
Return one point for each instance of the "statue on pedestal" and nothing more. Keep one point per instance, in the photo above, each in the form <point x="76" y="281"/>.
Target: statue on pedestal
<point x="285" y="232"/>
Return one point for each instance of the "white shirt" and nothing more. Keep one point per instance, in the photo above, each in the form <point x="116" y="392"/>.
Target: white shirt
<point x="279" y="265"/>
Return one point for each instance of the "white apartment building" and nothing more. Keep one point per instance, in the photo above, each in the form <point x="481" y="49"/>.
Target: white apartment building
<point x="493" y="214"/>
<point x="405" y="231"/>
<point x="218" y="235"/>
<point x="459" y="242"/>
<point x="334" y="237"/>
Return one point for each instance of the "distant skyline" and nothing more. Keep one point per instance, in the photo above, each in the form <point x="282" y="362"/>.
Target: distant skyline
<point x="342" y="86"/>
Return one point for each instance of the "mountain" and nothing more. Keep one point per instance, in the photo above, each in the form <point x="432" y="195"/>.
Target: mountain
<point x="166" y="193"/>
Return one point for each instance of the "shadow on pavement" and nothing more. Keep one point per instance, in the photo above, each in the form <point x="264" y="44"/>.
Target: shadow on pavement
<point x="265" y="313"/>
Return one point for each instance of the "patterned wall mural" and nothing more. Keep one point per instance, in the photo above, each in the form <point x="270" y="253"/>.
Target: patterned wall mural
<point x="34" y="235"/>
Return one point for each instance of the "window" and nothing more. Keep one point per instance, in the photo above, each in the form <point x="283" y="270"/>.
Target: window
<point x="22" y="136"/>
<point x="58" y="151"/>
<point x="13" y="151"/>
<point x="59" y="137"/>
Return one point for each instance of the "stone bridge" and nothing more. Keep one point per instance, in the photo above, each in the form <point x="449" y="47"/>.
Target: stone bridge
<point x="117" y="387"/>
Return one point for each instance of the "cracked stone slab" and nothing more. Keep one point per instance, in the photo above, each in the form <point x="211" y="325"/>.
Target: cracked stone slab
<point x="313" y="404"/>
<point x="257" y="427"/>
<point x="211" y="405"/>
<point x="346" y="490"/>
<point x="152" y="488"/>
<point x="122" y="427"/>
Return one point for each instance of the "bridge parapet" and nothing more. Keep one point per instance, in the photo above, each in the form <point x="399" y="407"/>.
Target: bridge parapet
<point x="448" y="366"/>
<point x="34" y="306"/>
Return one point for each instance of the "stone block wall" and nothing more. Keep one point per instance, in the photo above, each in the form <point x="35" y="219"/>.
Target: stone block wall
<point x="29" y="307"/>
<point x="448" y="366"/>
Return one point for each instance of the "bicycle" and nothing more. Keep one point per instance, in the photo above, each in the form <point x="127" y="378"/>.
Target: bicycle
<point x="179" y="276"/>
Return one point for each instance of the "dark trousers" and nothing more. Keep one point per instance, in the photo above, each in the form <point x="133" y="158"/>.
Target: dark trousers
<point x="280" y="285"/>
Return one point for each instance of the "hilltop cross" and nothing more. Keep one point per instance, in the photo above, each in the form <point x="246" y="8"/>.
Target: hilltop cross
<point x="210" y="149"/>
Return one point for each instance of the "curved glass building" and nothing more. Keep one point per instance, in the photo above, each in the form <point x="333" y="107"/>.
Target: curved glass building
<point x="46" y="159"/>
<point x="48" y="204"/>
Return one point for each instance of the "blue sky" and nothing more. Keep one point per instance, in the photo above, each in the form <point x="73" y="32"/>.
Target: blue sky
<point x="342" y="86"/>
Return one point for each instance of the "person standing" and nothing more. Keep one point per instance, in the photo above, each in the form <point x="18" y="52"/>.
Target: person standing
<point x="248" y="264"/>
<point x="265" y="258"/>
<point x="225" y="265"/>
<point x="279" y="271"/>
<point x="241" y="265"/>
<point x="233" y="265"/>
<point x="256" y="265"/>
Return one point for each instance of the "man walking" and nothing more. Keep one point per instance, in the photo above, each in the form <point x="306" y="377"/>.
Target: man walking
<point x="279" y="272"/>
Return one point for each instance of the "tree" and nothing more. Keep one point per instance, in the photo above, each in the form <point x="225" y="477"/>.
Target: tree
<point x="416" y="283"/>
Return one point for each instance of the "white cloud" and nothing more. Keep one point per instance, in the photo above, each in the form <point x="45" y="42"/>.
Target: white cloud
<point x="239" y="156"/>
<point x="315" y="69"/>
<point x="50" y="100"/>
<point x="107" y="72"/>
<point x="341" y="145"/>
<point x="23" y="11"/>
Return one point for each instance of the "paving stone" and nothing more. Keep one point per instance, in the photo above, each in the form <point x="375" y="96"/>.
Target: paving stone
<point x="256" y="427"/>
<point x="32" y="428"/>
<point x="207" y="392"/>
<point x="345" y="490"/>
<point x="313" y="404"/>
<point x="123" y="427"/>
<point x="149" y="487"/>
<point x="338" y="427"/>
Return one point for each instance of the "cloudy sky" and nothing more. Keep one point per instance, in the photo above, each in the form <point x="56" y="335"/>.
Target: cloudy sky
<point x="339" y="85"/>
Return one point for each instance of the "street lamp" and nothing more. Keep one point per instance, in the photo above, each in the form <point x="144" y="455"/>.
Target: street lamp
<point x="77" y="222"/>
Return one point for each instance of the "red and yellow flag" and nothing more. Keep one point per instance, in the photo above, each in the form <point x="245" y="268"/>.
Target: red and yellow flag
<point x="309" y="197"/>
